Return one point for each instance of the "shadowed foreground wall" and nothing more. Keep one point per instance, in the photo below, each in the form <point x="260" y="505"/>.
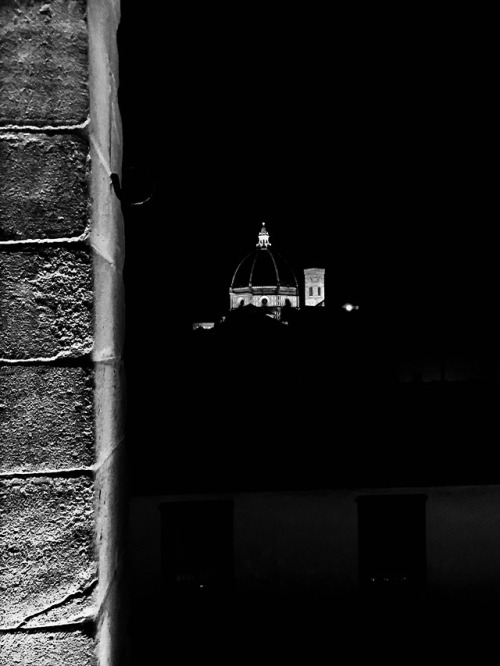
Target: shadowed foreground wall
<point x="61" y="306"/>
<point x="307" y="542"/>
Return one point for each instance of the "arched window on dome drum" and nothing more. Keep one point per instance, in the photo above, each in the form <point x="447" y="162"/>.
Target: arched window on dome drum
<point x="241" y="303"/>
<point x="264" y="302"/>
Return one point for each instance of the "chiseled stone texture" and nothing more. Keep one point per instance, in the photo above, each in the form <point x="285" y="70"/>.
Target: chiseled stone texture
<point x="45" y="302"/>
<point x="47" y="546"/>
<point x="43" y="60"/>
<point x="47" y="648"/>
<point x="46" y="418"/>
<point x="43" y="186"/>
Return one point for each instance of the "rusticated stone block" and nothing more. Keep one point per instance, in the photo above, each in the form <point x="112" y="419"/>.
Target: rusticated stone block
<point x="43" y="186"/>
<point x="46" y="418"/>
<point x="45" y="302"/>
<point x="47" y="546"/>
<point x="43" y="60"/>
<point x="47" y="648"/>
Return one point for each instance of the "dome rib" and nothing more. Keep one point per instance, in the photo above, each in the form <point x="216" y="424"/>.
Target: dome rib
<point x="233" y="285"/>
<point x="252" y="269"/>
<point x="287" y="283"/>
<point x="275" y="269"/>
<point x="263" y="268"/>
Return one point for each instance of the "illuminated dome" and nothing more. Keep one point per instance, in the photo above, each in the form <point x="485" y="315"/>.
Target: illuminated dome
<point x="264" y="278"/>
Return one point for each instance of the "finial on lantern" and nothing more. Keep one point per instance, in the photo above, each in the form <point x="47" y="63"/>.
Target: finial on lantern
<point x="263" y="237"/>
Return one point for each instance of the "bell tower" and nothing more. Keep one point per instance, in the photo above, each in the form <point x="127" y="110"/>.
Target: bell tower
<point x="314" y="286"/>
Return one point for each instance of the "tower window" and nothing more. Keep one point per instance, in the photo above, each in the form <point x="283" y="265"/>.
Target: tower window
<point x="319" y="291"/>
<point x="310" y="291"/>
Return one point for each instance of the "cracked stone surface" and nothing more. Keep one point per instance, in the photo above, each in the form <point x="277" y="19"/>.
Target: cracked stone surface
<point x="43" y="60"/>
<point x="46" y="418"/>
<point x="48" y="648"/>
<point x="46" y="547"/>
<point x="43" y="186"/>
<point x="45" y="302"/>
<point x="74" y="609"/>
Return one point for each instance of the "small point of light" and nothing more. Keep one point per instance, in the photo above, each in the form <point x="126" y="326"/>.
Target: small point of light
<point x="350" y="307"/>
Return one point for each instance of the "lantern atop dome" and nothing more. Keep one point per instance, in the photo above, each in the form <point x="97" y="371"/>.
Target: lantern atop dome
<point x="263" y="237"/>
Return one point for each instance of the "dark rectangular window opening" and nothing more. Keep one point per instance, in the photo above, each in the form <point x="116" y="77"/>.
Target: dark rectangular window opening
<point x="197" y="547"/>
<point x="392" y="550"/>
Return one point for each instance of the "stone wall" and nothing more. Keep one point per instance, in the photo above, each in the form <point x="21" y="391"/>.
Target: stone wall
<point x="61" y="326"/>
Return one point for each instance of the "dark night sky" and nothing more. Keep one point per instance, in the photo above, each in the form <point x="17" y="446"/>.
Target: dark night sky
<point x="364" y="145"/>
<point x="365" y="148"/>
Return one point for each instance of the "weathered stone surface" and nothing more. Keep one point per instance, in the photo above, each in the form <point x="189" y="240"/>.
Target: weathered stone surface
<point x="111" y="517"/>
<point x="45" y="302"/>
<point x="107" y="238"/>
<point x="46" y="418"/>
<point x="47" y="546"/>
<point x="109" y="299"/>
<point x="110" y="395"/>
<point x="113" y="639"/>
<point x="76" y="609"/>
<point x="58" y="648"/>
<point x="43" y="60"/>
<point x="103" y="74"/>
<point x="43" y="186"/>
